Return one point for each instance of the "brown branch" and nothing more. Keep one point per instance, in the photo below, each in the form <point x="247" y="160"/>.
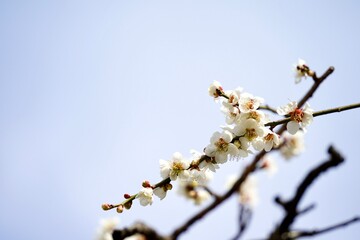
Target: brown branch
<point x="327" y="229"/>
<point x="316" y="114"/>
<point x="267" y="107"/>
<point x="245" y="215"/>
<point x="291" y="206"/>
<point x="137" y="228"/>
<point x="310" y="93"/>
<point x="249" y="169"/>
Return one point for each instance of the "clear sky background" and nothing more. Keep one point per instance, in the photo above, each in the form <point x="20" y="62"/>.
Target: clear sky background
<point x="94" y="93"/>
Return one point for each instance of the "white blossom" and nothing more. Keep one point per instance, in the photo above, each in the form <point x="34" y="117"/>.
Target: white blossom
<point x="176" y="167"/>
<point x="201" y="197"/>
<point x="250" y="129"/>
<point x="292" y="145"/>
<point x="243" y="145"/>
<point x="214" y="89"/>
<point x="249" y="103"/>
<point x="269" y="164"/>
<point x="145" y="196"/>
<point x="191" y="191"/>
<point x="248" y="194"/>
<point x="257" y="115"/>
<point x="270" y="140"/>
<point x="202" y="177"/>
<point x="301" y="70"/>
<point x="220" y="147"/>
<point x="300" y="118"/>
<point x="106" y="228"/>
<point x="160" y="192"/>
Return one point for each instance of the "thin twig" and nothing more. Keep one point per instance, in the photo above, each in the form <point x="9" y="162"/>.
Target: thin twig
<point x="267" y="107"/>
<point x="310" y="93"/>
<point x="316" y="114"/>
<point x="328" y="229"/>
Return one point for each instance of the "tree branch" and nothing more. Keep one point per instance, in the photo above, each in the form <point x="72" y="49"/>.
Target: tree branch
<point x="327" y="229"/>
<point x="291" y="206"/>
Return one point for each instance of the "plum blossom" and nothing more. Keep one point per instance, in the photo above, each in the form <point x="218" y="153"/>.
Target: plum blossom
<point x="249" y="103"/>
<point x="250" y="129"/>
<point x="257" y="115"/>
<point x="220" y="146"/>
<point x="215" y="89"/>
<point x="243" y="145"/>
<point x="299" y="117"/>
<point x="292" y="145"/>
<point x="233" y="97"/>
<point x="302" y="71"/>
<point x="176" y="167"/>
<point x="145" y="196"/>
<point x="160" y="192"/>
<point x="269" y="164"/>
<point x="202" y="177"/>
<point x="270" y="140"/>
<point x="106" y="228"/>
<point x="248" y="194"/>
<point x="192" y="190"/>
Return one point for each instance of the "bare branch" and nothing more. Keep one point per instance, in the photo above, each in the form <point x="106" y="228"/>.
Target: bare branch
<point x="138" y="228"/>
<point x="327" y="229"/>
<point x="291" y="206"/>
<point x="245" y="215"/>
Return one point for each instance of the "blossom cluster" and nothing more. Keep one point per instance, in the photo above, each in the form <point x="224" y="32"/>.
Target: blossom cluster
<point x="248" y="130"/>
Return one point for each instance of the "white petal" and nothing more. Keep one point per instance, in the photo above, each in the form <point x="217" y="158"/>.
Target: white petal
<point x="210" y="150"/>
<point x="233" y="150"/>
<point x="220" y="157"/>
<point x="227" y="136"/>
<point x="292" y="127"/>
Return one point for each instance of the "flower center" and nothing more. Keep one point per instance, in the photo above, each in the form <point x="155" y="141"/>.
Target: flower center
<point x="222" y="145"/>
<point x="177" y="167"/>
<point x="250" y="104"/>
<point x="297" y="115"/>
<point x="269" y="137"/>
<point x="254" y="115"/>
<point x="250" y="134"/>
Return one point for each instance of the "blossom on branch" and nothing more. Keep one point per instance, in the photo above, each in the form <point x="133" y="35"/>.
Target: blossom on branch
<point x="248" y="194"/>
<point x="176" y="167"/>
<point x="302" y="71"/>
<point x="145" y="196"/>
<point x="220" y="146"/>
<point x="292" y="145"/>
<point x="192" y="191"/>
<point x="215" y="89"/>
<point x="248" y="102"/>
<point x="300" y="117"/>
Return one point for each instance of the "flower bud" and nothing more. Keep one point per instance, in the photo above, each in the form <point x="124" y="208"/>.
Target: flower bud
<point x="146" y="184"/>
<point x="127" y="205"/>
<point x="127" y="196"/>
<point x="168" y="186"/>
<point x="107" y="206"/>
<point x="120" y="208"/>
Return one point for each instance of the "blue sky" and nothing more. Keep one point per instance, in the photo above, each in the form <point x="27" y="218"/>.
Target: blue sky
<point x="94" y="93"/>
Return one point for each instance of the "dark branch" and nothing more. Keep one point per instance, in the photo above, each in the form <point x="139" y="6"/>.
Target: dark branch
<point x="137" y="228"/>
<point x="327" y="229"/>
<point x="310" y="93"/>
<point x="249" y="169"/>
<point x="291" y="206"/>
<point x="244" y="220"/>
